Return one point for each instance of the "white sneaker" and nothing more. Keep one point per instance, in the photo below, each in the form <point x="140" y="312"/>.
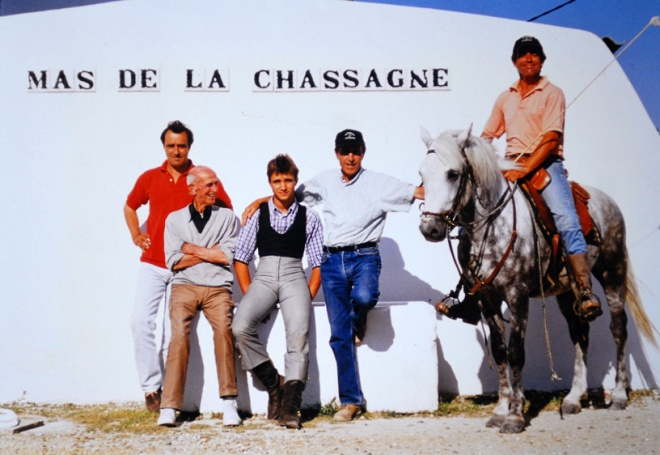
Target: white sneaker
<point x="167" y="417"/>
<point x="230" y="416"/>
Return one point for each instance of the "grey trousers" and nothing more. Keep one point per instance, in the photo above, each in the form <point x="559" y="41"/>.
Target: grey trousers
<point x="277" y="279"/>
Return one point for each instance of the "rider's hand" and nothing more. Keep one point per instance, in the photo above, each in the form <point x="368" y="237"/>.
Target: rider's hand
<point x="515" y="174"/>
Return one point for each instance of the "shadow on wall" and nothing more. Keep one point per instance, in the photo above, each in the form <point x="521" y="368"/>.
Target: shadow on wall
<point x="399" y="285"/>
<point x="192" y="393"/>
<point x="312" y="392"/>
<point x="447" y="381"/>
<point x="396" y="283"/>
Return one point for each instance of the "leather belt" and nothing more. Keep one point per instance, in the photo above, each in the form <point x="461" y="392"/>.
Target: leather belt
<point x="339" y="249"/>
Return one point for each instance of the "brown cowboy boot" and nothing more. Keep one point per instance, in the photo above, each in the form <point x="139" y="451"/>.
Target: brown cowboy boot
<point x="291" y="400"/>
<point x="588" y="308"/>
<point x="271" y="379"/>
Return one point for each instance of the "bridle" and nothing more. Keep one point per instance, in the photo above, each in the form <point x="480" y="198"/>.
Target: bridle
<point x="449" y="216"/>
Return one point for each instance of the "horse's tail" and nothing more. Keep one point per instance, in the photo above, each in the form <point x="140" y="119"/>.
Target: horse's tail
<point x="642" y="321"/>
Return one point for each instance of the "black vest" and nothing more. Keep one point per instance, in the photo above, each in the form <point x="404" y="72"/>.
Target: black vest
<point x="290" y="244"/>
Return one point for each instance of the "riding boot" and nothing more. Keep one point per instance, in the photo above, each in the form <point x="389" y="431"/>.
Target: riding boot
<point x="291" y="400"/>
<point x="271" y="379"/>
<point x="588" y="306"/>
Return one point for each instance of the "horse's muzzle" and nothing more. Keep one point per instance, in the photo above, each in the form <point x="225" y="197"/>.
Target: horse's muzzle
<point x="433" y="227"/>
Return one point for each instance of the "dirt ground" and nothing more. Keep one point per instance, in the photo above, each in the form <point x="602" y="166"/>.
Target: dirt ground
<point x="593" y="431"/>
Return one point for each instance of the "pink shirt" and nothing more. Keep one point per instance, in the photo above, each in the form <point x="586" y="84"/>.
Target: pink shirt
<point x="526" y="119"/>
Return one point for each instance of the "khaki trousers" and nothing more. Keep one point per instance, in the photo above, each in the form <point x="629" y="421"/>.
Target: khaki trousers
<point x="217" y="305"/>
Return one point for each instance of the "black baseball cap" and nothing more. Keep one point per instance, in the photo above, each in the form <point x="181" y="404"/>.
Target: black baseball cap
<point x="527" y="44"/>
<point x="349" y="139"/>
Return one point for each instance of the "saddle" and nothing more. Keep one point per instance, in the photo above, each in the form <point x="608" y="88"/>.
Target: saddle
<point x="532" y="186"/>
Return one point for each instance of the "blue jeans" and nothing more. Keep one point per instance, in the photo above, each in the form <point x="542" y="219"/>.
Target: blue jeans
<point x="559" y="197"/>
<point x="350" y="287"/>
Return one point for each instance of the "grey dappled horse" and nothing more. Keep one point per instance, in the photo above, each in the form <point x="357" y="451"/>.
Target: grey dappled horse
<point x="464" y="187"/>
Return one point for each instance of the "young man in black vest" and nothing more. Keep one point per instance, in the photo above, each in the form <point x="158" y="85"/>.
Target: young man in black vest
<point x="282" y="231"/>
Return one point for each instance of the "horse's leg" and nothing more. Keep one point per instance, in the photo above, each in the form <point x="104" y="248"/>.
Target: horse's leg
<point x="579" y="332"/>
<point x="515" y="421"/>
<point x="611" y="270"/>
<point x="612" y="278"/>
<point x="498" y="348"/>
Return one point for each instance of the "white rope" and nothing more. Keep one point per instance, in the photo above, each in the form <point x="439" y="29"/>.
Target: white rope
<point x="654" y="21"/>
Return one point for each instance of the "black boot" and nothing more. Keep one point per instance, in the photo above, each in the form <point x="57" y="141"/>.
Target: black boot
<point x="468" y="310"/>
<point x="291" y="400"/>
<point x="587" y="305"/>
<point x="271" y="379"/>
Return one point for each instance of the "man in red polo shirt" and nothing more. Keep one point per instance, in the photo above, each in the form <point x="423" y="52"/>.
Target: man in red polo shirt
<point x="165" y="189"/>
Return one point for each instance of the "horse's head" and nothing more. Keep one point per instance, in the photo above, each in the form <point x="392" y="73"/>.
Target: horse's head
<point x="456" y="167"/>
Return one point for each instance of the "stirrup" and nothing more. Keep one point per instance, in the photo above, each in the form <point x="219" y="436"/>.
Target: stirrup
<point x="588" y="306"/>
<point x="458" y="310"/>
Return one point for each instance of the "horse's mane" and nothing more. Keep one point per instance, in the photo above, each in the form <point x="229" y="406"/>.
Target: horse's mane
<point x="482" y="155"/>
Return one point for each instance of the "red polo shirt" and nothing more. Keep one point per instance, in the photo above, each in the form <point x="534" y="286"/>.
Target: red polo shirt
<point x="158" y="188"/>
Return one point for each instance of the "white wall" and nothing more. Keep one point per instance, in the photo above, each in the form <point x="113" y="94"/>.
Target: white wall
<point x="69" y="266"/>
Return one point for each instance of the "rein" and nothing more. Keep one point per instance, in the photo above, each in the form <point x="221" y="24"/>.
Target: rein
<point x="512" y="240"/>
<point x="451" y="215"/>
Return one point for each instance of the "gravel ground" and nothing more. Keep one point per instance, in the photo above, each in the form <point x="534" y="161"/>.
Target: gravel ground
<point x="634" y="430"/>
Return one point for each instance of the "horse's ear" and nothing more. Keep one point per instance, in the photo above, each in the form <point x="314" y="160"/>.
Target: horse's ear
<point x="426" y="137"/>
<point x="464" y="137"/>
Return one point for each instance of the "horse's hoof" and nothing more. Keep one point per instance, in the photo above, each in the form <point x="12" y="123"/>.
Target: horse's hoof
<point x="495" y="421"/>
<point x="619" y="405"/>
<point x="513" y="426"/>
<point x="589" y="314"/>
<point x="619" y="399"/>
<point x="570" y="408"/>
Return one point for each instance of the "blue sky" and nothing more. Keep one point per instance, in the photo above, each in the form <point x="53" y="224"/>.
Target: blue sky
<point x="622" y="20"/>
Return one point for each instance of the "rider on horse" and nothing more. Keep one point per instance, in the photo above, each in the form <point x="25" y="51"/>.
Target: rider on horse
<point x="531" y="114"/>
